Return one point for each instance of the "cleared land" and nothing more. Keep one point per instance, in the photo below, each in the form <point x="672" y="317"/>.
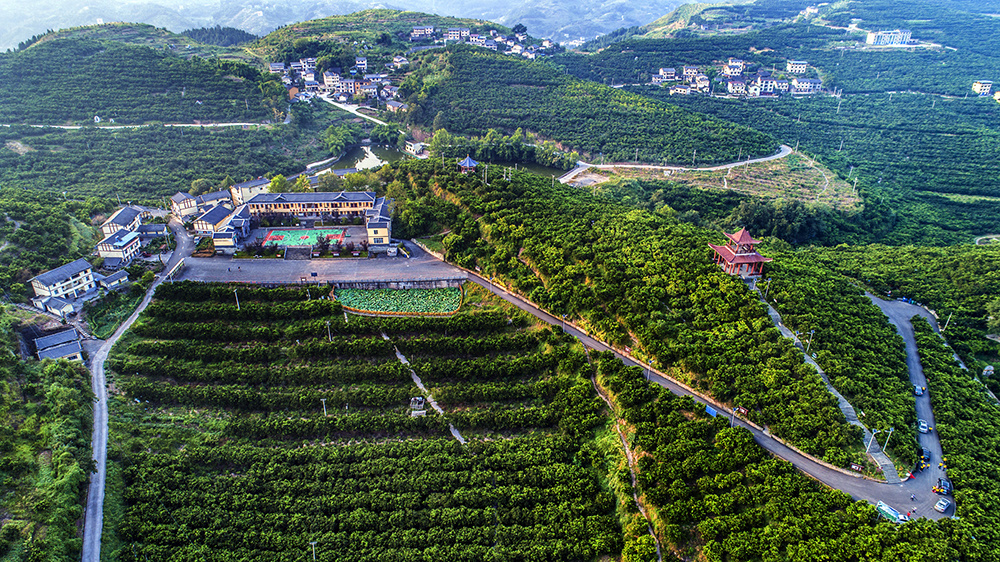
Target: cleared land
<point x="796" y="177"/>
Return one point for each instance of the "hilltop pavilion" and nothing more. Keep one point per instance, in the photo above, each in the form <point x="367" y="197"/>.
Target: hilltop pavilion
<point x="738" y="256"/>
<point x="468" y="165"/>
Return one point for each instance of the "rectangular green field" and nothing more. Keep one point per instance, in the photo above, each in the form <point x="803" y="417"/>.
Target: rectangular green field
<point x="303" y="237"/>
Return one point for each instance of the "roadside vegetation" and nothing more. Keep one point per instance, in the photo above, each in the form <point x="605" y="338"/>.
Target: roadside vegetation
<point x="45" y="426"/>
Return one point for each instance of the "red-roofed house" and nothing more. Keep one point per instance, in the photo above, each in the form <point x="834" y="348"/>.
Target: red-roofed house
<point x="738" y="256"/>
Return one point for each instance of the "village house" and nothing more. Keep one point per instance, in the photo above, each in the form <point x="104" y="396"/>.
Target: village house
<point x="128" y="218"/>
<point x="236" y="229"/>
<point x="796" y="66"/>
<point x="361" y="63"/>
<point x="148" y="232"/>
<point x="658" y="79"/>
<point x="69" y="281"/>
<point x="732" y="71"/>
<point x="395" y="106"/>
<point x="806" y="86"/>
<point x="736" y="87"/>
<point x="60" y="345"/>
<point x="682" y="89"/>
<point x="702" y="82"/>
<point x="184" y="204"/>
<point x="457" y="33"/>
<point x="276" y="67"/>
<point x="690" y="72"/>
<point x="116" y="279"/>
<point x="399" y="61"/>
<point x="982" y="87"/>
<point x="668" y="73"/>
<point x="119" y="248"/>
<point x="212" y="220"/>
<point x="422" y="32"/>
<point x="241" y="192"/>
<point x="490" y="44"/>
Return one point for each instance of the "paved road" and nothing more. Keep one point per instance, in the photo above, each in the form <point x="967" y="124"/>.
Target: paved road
<point x="94" y="516"/>
<point x="224" y="269"/>
<point x="896" y="495"/>
<point x="582" y="166"/>
<point x="885" y="464"/>
<point x="899" y="314"/>
<point x="351" y="108"/>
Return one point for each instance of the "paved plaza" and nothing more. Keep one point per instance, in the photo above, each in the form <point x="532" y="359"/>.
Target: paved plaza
<point x="420" y="266"/>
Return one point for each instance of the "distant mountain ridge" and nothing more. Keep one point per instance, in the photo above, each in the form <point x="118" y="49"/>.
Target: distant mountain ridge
<point x="560" y="20"/>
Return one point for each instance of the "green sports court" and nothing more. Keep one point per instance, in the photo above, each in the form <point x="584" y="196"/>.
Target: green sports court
<point x="303" y="237"/>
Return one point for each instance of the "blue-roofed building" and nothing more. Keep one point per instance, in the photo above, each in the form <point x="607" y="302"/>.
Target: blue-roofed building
<point x="114" y="280"/>
<point x="119" y="248"/>
<point x="60" y="345"/>
<point x="244" y="191"/>
<point x="468" y="165"/>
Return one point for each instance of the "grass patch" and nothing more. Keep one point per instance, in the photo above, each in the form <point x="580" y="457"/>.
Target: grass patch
<point x="433" y="243"/>
<point x="105" y="316"/>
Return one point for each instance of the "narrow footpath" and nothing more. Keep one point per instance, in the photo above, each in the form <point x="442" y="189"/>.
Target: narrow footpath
<point x="875" y="450"/>
<point x="94" y="514"/>
<point x="420" y="385"/>
<point x="858" y="487"/>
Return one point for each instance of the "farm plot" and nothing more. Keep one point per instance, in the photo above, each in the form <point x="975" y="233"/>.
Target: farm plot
<point x="284" y="433"/>
<point x="407" y="301"/>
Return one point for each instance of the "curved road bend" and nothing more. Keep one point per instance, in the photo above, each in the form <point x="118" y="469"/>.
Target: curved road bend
<point x="899" y="314"/>
<point x="784" y="151"/>
<point x="94" y="516"/>
<point x="896" y="495"/>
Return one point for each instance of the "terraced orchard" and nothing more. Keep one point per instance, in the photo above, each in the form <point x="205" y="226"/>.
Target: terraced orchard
<point x="403" y="301"/>
<point x="250" y="433"/>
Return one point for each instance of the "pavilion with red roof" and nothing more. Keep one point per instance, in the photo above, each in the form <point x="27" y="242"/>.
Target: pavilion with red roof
<point x="738" y="256"/>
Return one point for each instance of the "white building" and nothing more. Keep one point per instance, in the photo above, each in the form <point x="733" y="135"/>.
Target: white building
<point x="894" y="37"/>
<point x="796" y="66"/>
<point x="982" y="87"/>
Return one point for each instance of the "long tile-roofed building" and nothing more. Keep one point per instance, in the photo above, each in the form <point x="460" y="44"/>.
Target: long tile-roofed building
<point x="57" y="338"/>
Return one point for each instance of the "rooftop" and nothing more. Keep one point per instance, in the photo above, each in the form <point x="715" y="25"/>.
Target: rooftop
<point x="57" y="338"/>
<point x="60" y="351"/>
<point x="322" y="197"/>
<point x="62" y="273"/>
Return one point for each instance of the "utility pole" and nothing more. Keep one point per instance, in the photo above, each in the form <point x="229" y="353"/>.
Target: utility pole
<point x="313" y="543"/>
<point x="768" y="288"/>
<point x="838" y="106"/>
<point x="323" y="400"/>
<point x="891" y="429"/>
<point x="811" y="332"/>
<point x="694" y="156"/>
<point x="870" y="441"/>
<point x="947" y="321"/>
<point x="237" y="300"/>
<point x="329" y="337"/>
<point x="841" y="144"/>
<point x="855" y="190"/>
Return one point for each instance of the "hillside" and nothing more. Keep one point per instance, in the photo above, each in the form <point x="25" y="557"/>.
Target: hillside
<point x="905" y="125"/>
<point x="579" y="115"/>
<point x="70" y="80"/>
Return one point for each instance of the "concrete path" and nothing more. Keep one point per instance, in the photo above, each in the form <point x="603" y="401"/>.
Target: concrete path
<point x="899" y="314"/>
<point x="896" y="495"/>
<point x="583" y="166"/>
<point x="94" y="514"/>
<point x="430" y="399"/>
<point x="883" y="461"/>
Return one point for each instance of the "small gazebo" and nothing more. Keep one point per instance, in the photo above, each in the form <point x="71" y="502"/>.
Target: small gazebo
<point x="738" y="256"/>
<point x="467" y="165"/>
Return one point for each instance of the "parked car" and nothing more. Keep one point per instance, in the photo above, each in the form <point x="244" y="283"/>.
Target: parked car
<point x="943" y="487"/>
<point x="925" y="454"/>
<point x="942" y="505"/>
<point x="922" y="426"/>
<point x="918" y="390"/>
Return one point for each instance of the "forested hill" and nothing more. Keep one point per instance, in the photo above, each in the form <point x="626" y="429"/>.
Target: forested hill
<point x="469" y="91"/>
<point x="64" y="81"/>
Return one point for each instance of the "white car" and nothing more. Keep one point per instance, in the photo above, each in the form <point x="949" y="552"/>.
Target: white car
<point x="942" y="505"/>
<point x="922" y="426"/>
<point x="918" y="391"/>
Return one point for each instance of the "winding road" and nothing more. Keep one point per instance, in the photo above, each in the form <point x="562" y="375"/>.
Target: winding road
<point x="858" y="487"/>
<point x="94" y="515"/>
<point x="896" y="494"/>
